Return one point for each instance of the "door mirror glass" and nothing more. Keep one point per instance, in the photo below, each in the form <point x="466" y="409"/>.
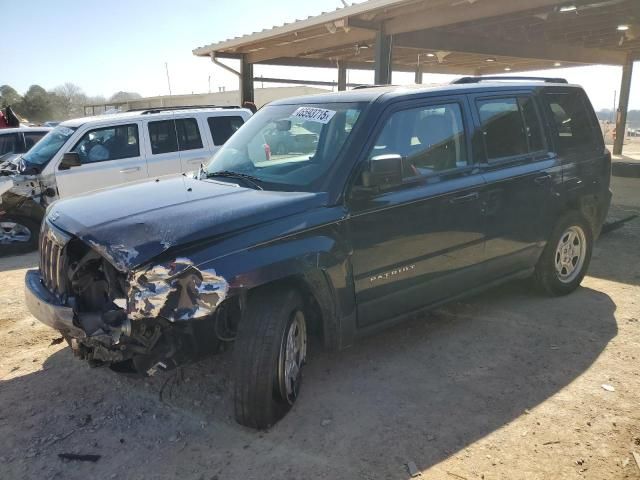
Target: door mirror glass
<point x="383" y="171"/>
<point x="70" y="159"/>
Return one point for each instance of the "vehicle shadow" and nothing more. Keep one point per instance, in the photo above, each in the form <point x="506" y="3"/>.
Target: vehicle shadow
<point x="622" y="266"/>
<point x="418" y="392"/>
<point x="17" y="262"/>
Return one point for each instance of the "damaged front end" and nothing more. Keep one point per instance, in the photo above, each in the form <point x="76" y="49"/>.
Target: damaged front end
<point x="155" y="317"/>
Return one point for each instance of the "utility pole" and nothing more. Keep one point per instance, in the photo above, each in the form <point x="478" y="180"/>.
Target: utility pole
<point x="166" y="67"/>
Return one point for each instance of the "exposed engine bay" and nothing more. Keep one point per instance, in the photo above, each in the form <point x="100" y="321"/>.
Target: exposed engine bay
<point x="156" y="318"/>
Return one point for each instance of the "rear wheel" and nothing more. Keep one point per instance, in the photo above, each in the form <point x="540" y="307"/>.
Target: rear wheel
<point x="18" y="234"/>
<point x="565" y="259"/>
<point x="269" y="353"/>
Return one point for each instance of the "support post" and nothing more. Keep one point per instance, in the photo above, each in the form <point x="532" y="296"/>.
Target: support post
<point x="246" y="81"/>
<point x="623" y="106"/>
<point x="382" y="57"/>
<point x="418" y="78"/>
<point x="342" y="77"/>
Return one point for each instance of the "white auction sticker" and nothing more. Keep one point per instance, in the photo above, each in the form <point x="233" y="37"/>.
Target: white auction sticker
<point x="313" y="114"/>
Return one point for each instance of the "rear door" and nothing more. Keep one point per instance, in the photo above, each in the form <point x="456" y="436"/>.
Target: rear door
<point x="175" y="144"/>
<point x="521" y="176"/>
<point x="421" y="242"/>
<point x="110" y="156"/>
<point x="577" y="140"/>
<point x="193" y="145"/>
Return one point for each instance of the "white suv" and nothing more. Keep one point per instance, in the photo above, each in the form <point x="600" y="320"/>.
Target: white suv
<point x="92" y="153"/>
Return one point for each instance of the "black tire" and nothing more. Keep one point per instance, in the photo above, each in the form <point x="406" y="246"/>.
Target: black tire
<point x="260" y="398"/>
<point x="12" y="248"/>
<point x="546" y="276"/>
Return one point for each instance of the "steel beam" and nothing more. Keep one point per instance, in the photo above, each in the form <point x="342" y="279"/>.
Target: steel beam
<point x="342" y="77"/>
<point x="246" y="81"/>
<point x="623" y="106"/>
<point x="383" y="61"/>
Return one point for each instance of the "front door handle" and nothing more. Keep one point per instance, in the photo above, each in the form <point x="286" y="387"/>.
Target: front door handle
<point x="470" y="197"/>
<point x="130" y="170"/>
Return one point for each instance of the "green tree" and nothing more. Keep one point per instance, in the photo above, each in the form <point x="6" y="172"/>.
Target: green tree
<point x="124" y="96"/>
<point x="9" y="96"/>
<point x="37" y="105"/>
<point x="69" y="101"/>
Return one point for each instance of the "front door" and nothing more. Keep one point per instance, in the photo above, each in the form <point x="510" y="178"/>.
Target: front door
<point x="110" y="156"/>
<point x="422" y="242"/>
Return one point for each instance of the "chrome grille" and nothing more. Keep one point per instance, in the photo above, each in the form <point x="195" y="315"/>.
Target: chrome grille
<point x="53" y="263"/>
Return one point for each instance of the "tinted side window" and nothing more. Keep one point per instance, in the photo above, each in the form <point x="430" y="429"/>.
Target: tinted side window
<point x="533" y="129"/>
<point x="503" y="128"/>
<point x="223" y="127"/>
<point x="30" y="139"/>
<point x="430" y="139"/>
<point x="162" y="135"/>
<point x="188" y="134"/>
<point x="9" y="143"/>
<point x="571" y="118"/>
<point x="109" y="143"/>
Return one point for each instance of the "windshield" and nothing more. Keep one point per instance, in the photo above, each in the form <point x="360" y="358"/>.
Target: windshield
<point x="287" y="147"/>
<point x="43" y="151"/>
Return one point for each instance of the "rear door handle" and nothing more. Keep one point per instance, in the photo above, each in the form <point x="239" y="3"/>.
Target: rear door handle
<point x="543" y="179"/>
<point x="130" y="170"/>
<point x="465" y="198"/>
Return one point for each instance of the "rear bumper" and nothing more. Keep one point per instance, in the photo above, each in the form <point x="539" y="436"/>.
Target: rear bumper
<point x="47" y="308"/>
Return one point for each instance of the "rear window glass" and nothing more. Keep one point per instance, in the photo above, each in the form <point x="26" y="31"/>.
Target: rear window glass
<point x="503" y="128"/>
<point x="223" y="127"/>
<point x="8" y="143"/>
<point x="31" y="138"/>
<point x="174" y="135"/>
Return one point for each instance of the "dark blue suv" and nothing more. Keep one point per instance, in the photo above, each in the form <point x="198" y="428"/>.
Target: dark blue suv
<point x="397" y="199"/>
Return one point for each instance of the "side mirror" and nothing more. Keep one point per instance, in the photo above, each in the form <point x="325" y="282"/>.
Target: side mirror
<point x="69" y="159"/>
<point x="383" y="171"/>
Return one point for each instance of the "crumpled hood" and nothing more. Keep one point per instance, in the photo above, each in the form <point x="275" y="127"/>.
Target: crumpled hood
<point x="130" y="225"/>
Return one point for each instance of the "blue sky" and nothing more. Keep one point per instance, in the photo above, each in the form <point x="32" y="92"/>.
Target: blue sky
<point x="123" y="45"/>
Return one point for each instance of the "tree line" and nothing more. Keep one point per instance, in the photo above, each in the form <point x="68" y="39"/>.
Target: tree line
<point x="66" y="101"/>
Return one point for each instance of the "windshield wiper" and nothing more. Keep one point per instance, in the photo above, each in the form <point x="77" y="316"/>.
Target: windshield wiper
<point x="251" y="180"/>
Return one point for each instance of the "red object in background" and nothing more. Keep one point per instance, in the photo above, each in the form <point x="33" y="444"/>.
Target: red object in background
<point x="3" y="120"/>
<point x="267" y="151"/>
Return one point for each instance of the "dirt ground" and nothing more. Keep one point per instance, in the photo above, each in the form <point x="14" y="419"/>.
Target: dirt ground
<point x="506" y="385"/>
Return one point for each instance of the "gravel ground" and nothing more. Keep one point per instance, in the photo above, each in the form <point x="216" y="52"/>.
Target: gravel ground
<point x="506" y="385"/>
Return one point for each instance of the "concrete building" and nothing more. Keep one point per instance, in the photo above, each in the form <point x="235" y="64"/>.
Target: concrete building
<point x="262" y="96"/>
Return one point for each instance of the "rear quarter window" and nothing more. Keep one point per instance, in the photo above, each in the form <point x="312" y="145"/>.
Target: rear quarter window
<point x="571" y="118"/>
<point x="222" y="127"/>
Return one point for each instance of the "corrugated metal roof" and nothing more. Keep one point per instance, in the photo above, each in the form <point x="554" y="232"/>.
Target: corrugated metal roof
<point x="312" y="21"/>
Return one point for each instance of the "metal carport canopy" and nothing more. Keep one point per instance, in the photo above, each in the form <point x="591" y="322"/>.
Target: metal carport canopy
<point x="466" y="37"/>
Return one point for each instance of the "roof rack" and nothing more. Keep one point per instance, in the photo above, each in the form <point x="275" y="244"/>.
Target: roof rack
<point x="463" y="80"/>
<point x="360" y="87"/>
<point x="148" y="110"/>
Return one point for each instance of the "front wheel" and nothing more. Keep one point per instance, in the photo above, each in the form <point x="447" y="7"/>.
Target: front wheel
<point x="269" y="353"/>
<point x="565" y="259"/>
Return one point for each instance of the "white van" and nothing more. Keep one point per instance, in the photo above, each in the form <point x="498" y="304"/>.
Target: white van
<point x="87" y="154"/>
